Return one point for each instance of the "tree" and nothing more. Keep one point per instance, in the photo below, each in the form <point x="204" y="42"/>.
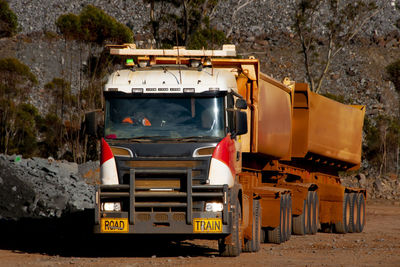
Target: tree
<point x="393" y="71"/>
<point x="16" y="81"/>
<point x="60" y="90"/>
<point x="184" y="22"/>
<point x="97" y="27"/>
<point x="324" y="28"/>
<point x="91" y="29"/>
<point x="8" y="20"/>
<point x="24" y="140"/>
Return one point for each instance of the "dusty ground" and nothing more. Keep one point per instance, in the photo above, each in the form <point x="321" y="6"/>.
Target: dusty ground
<point x="378" y="245"/>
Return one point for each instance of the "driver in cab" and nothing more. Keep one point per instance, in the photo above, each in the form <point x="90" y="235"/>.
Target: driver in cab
<point x="138" y="118"/>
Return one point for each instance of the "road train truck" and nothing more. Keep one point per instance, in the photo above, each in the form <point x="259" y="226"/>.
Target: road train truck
<point x="199" y="144"/>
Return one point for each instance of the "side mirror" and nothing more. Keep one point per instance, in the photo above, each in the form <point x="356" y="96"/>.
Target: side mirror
<point x="241" y="103"/>
<point x="91" y="119"/>
<point x="240" y="123"/>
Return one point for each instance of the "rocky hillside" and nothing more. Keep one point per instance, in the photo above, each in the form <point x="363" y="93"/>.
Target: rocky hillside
<point x="260" y="28"/>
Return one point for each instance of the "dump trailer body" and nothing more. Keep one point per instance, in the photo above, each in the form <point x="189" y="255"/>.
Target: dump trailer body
<point x="297" y="123"/>
<point x="325" y="128"/>
<point x="274" y="119"/>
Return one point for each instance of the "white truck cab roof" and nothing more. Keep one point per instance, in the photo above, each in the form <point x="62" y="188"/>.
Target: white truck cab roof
<point x="171" y="79"/>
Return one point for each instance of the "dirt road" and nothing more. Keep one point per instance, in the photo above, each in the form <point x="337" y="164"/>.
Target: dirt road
<point x="378" y="245"/>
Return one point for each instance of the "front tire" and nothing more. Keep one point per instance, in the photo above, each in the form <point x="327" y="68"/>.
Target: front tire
<point x="253" y="245"/>
<point x="234" y="246"/>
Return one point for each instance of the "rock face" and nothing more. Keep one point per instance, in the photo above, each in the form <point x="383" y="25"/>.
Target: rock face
<point x="41" y="188"/>
<point x="384" y="187"/>
<point x="251" y="19"/>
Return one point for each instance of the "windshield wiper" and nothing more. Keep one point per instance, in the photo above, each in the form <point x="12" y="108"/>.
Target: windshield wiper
<point x="139" y="138"/>
<point x="195" y="138"/>
<point x="150" y="138"/>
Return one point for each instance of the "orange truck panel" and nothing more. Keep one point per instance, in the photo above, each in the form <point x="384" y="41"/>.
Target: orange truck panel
<point x="325" y="127"/>
<point x="274" y="119"/>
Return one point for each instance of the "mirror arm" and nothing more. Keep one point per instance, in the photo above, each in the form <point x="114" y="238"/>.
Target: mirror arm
<point x="237" y="95"/>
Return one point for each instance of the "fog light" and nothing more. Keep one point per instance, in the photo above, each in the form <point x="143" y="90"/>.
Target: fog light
<point x="111" y="206"/>
<point x="214" y="207"/>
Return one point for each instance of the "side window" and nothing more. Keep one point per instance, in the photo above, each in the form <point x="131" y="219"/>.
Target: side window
<point x="230" y="105"/>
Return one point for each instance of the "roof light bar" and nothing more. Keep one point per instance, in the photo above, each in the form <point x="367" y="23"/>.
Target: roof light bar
<point x="137" y="90"/>
<point x="188" y="90"/>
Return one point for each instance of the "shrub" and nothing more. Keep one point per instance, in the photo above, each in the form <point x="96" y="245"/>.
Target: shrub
<point x="16" y="81"/>
<point x="93" y="25"/>
<point x="206" y="37"/>
<point x="382" y="142"/>
<point x="338" y="98"/>
<point x="69" y="26"/>
<point x="24" y="140"/>
<point x="393" y="71"/>
<point x="51" y="129"/>
<point x="8" y="20"/>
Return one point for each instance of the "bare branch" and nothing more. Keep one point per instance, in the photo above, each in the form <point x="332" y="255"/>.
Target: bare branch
<point x="356" y="31"/>
<point x="239" y="6"/>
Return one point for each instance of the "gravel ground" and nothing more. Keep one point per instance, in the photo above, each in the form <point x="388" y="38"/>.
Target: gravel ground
<point x="378" y="245"/>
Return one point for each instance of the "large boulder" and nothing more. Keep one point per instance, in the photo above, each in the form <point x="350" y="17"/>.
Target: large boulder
<point x="41" y="188"/>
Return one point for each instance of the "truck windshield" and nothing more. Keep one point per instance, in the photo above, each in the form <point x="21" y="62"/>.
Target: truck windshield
<point x="164" y="118"/>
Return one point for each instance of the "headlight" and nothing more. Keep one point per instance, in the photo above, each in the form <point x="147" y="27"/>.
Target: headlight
<point x="214" y="207"/>
<point x="111" y="206"/>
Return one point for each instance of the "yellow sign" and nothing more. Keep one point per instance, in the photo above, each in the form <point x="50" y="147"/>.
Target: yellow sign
<point x="114" y="225"/>
<point x="201" y="225"/>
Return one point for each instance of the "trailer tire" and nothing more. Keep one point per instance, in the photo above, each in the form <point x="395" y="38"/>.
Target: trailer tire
<point x="263" y="235"/>
<point x="288" y="217"/>
<point x="278" y="234"/>
<point x="342" y="226"/>
<point x="254" y="244"/>
<point x="353" y="212"/>
<point x="300" y="221"/>
<point x="314" y="214"/>
<point x="233" y="249"/>
<point x="361" y="212"/>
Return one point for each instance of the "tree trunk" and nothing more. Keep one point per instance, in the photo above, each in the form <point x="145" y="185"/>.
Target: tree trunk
<point x="186" y="22"/>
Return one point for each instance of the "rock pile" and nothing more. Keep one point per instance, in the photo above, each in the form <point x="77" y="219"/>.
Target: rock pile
<point x="384" y="187"/>
<point x="41" y="188"/>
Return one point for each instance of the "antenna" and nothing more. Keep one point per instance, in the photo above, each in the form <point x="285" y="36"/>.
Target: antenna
<point x="177" y="47"/>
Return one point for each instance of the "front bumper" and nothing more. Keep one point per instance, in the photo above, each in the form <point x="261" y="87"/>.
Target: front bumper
<point x="172" y="223"/>
<point x="169" y="212"/>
